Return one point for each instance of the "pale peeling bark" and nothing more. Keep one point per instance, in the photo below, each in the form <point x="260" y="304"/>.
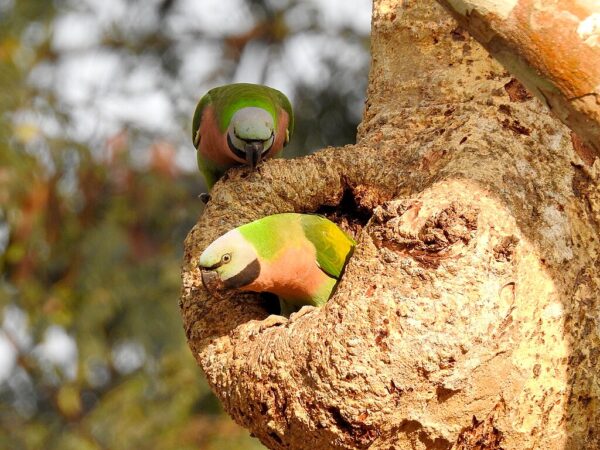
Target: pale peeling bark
<point x="468" y="316"/>
<point x="552" y="46"/>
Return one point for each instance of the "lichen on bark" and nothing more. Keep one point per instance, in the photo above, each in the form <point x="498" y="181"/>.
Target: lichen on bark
<point x="468" y="314"/>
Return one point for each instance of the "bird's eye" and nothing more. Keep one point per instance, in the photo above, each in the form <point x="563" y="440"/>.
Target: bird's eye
<point x="225" y="258"/>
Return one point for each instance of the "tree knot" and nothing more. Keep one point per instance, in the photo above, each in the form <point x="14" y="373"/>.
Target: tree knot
<point x="407" y="227"/>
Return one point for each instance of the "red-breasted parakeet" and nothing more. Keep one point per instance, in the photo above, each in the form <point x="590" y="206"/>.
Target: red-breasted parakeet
<point x="298" y="257"/>
<point x="240" y="124"/>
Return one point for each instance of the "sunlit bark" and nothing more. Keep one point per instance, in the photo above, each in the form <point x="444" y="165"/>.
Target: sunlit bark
<point x="552" y="46"/>
<point x="468" y="315"/>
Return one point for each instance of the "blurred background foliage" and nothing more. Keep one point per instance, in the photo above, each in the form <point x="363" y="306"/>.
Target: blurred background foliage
<point x="98" y="188"/>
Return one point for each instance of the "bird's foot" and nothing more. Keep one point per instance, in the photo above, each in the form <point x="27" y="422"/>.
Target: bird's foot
<point x="304" y="310"/>
<point x="271" y="321"/>
<point x="204" y="197"/>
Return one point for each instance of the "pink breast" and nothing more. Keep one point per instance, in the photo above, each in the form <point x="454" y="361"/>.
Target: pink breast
<point x="293" y="274"/>
<point x="213" y="143"/>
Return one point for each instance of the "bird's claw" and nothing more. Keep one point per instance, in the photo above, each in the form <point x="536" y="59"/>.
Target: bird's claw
<point x="302" y="312"/>
<point x="204" y="197"/>
<point x="271" y="321"/>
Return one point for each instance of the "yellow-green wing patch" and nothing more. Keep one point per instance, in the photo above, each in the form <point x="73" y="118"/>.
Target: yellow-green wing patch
<point x="333" y="246"/>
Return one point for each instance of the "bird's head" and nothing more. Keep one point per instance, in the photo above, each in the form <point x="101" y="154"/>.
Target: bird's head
<point x="229" y="262"/>
<point x="251" y="134"/>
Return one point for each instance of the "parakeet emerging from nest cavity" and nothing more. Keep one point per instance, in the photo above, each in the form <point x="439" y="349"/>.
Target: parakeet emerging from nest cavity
<point x="298" y="257"/>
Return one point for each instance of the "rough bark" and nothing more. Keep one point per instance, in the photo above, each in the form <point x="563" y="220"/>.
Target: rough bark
<point x="468" y="316"/>
<point x="552" y="46"/>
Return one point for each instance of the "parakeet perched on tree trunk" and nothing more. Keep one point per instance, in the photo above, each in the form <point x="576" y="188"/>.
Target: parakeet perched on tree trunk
<point x="240" y="124"/>
<point x="298" y="257"/>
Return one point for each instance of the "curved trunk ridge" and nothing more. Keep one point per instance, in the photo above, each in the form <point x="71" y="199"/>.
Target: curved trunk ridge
<point x="468" y="316"/>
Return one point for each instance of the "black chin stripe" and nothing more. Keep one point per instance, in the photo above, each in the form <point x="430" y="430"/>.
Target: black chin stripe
<point x="245" y="277"/>
<point x="236" y="151"/>
<point x="241" y="153"/>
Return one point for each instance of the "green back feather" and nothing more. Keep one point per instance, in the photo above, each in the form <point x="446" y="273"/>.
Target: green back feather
<point x="271" y="234"/>
<point x="232" y="97"/>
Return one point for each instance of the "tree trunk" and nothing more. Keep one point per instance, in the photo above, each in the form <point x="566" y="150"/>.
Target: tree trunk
<point x="468" y="316"/>
<point x="552" y="46"/>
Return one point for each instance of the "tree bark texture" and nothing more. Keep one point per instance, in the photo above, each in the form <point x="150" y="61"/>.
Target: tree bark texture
<point x="468" y="316"/>
<point x="552" y="46"/>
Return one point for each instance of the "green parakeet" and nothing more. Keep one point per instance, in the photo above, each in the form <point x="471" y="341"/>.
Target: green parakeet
<point x="298" y="257"/>
<point x="239" y="124"/>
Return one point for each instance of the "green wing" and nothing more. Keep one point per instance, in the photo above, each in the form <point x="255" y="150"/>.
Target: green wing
<point x="287" y="107"/>
<point x="204" y="101"/>
<point x="333" y="246"/>
<point x="209" y="171"/>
